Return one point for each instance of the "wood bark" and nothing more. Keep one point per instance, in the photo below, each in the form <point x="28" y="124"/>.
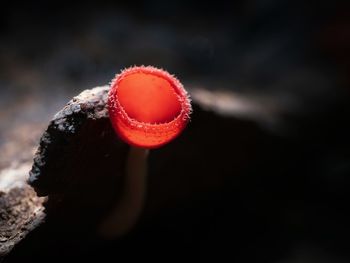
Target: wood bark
<point x="80" y="161"/>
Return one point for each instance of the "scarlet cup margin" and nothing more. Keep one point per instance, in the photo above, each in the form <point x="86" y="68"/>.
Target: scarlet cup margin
<point x="154" y="131"/>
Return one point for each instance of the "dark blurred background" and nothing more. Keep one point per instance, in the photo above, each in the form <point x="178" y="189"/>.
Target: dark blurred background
<point x="290" y="57"/>
<point x="294" y="51"/>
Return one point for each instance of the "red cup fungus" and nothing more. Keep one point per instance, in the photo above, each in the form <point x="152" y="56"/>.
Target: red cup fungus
<point x="148" y="107"/>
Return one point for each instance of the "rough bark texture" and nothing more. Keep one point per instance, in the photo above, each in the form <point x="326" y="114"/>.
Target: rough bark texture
<point x="78" y="142"/>
<point x="80" y="161"/>
<point x="21" y="210"/>
<point x="68" y="154"/>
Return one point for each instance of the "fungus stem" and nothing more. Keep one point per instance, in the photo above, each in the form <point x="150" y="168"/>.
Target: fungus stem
<point x="129" y="207"/>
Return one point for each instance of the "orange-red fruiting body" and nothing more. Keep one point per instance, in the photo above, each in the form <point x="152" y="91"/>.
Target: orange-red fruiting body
<point x="147" y="106"/>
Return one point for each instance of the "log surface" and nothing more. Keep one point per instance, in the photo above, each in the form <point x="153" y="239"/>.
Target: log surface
<point x="79" y="165"/>
<point x="21" y="210"/>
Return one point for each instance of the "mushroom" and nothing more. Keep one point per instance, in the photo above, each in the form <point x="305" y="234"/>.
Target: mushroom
<point x="148" y="108"/>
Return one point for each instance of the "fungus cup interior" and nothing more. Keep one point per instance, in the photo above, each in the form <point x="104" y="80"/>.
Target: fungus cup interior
<point x="148" y="98"/>
<point x="148" y="107"/>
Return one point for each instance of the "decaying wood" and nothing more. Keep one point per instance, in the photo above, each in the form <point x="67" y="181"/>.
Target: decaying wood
<point x="67" y="150"/>
<point x="21" y="210"/>
<point x="80" y="161"/>
<point x="78" y="142"/>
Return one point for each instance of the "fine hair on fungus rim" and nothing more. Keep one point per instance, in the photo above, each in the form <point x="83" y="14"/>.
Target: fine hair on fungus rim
<point x="148" y="107"/>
